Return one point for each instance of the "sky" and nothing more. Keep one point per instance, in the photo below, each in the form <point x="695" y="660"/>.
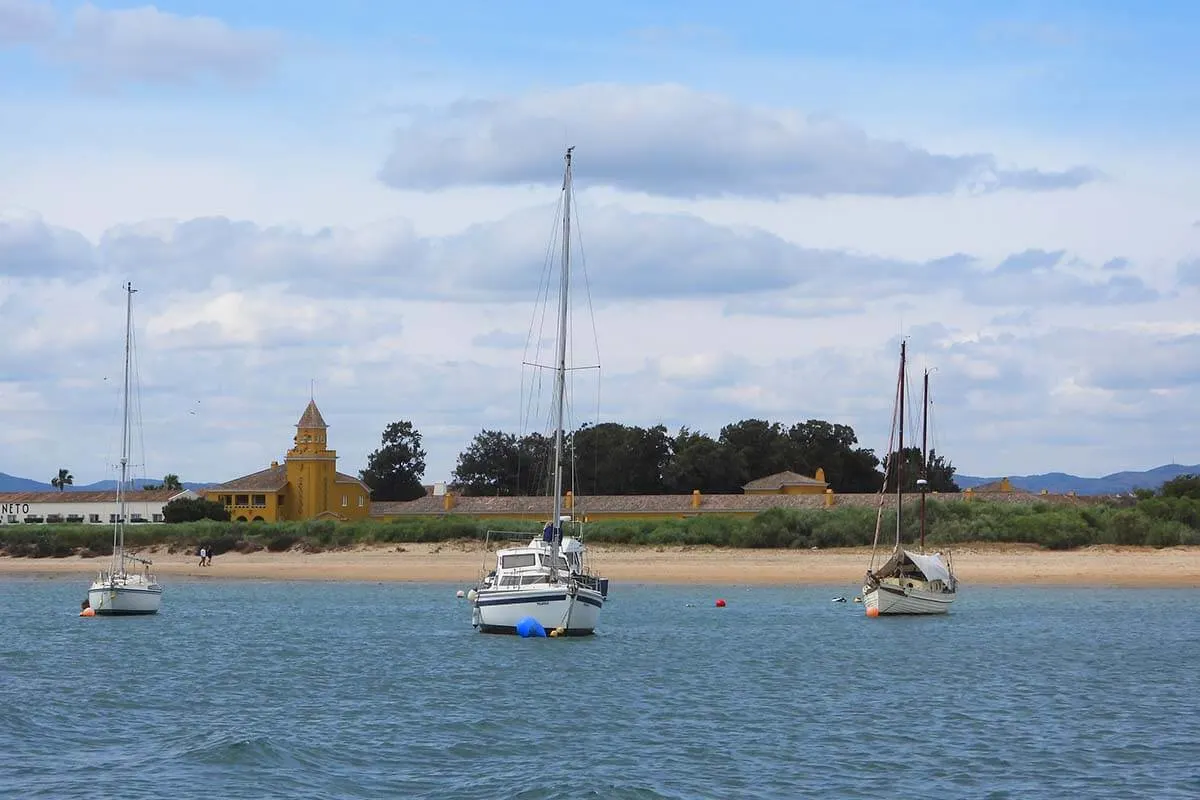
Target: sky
<point x="355" y="201"/>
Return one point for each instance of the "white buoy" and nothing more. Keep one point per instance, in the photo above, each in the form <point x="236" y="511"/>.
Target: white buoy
<point x="460" y="593"/>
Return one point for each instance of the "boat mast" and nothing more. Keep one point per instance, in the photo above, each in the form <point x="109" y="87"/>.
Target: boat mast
<point x="924" y="482"/>
<point x="560" y="376"/>
<point x="120" y="531"/>
<point x="900" y="448"/>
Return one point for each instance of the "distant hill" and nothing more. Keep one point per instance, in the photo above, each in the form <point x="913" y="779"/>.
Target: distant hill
<point x="11" y="483"/>
<point x="1061" y="483"/>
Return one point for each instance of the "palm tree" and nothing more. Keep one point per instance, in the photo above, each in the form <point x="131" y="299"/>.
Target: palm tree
<point x="171" y="481"/>
<point x="63" y="480"/>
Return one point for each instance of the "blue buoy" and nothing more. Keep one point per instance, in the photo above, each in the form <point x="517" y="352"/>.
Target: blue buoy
<point x="528" y="626"/>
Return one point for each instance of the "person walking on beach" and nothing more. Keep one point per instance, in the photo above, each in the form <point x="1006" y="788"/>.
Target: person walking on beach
<point x="203" y="556"/>
<point x="210" y="555"/>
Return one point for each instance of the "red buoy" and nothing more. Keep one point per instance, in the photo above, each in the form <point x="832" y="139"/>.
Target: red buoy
<point x="720" y="603"/>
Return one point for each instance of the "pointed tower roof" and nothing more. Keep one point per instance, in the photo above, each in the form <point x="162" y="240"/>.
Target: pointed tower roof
<point x="311" y="418"/>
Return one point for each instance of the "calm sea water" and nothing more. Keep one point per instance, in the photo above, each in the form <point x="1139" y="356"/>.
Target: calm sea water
<point x="249" y="690"/>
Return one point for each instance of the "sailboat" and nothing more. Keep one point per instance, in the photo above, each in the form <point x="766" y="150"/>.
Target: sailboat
<point x="124" y="588"/>
<point x="910" y="581"/>
<point x="547" y="580"/>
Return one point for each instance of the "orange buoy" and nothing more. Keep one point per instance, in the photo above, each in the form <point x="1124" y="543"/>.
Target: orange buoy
<point x="88" y="612"/>
<point x="720" y="603"/>
<point x="873" y="611"/>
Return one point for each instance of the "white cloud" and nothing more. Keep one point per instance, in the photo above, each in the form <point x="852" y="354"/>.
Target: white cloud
<point x="148" y="45"/>
<point x="25" y="21"/>
<point x="236" y="319"/>
<point x="729" y="282"/>
<point x="672" y="140"/>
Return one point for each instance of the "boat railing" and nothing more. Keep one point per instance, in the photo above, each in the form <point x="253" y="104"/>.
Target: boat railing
<point x="508" y="536"/>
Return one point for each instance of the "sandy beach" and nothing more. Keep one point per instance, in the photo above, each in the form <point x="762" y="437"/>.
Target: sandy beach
<point x="460" y="562"/>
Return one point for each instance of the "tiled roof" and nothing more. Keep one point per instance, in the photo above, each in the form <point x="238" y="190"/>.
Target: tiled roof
<point x="678" y="504"/>
<point x="341" y="477"/>
<point x="266" y="480"/>
<point x="782" y="479"/>
<point x="998" y="486"/>
<point x="109" y="496"/>
<point x="311" y="418"/>
<point x="598" y="504"/>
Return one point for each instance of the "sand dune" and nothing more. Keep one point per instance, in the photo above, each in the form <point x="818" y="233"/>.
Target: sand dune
<point x="464" y="562"/>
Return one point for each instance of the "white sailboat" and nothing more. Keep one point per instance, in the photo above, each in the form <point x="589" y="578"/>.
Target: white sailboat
<point x="547" y="580"/>
<point x="123" y="588"/>
<point x="910" y="581"/>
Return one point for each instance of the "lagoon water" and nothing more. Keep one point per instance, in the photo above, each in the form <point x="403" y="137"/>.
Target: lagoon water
<point x="354" y="690"/>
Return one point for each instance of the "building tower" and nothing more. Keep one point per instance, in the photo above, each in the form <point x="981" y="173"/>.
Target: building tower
<point x="311" y="466"/>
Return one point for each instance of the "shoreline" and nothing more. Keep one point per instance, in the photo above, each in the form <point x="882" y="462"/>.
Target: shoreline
<point x="464" y="562"/>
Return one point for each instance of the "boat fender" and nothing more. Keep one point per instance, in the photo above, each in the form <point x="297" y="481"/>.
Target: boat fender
<point x="528" y="627"/>
<point x="88" y="612"/>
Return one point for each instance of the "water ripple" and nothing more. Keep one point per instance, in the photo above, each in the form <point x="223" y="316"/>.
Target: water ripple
<point x="241" y="690"/>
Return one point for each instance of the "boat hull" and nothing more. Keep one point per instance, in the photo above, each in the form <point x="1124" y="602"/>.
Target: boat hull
<point x="118" y="600"/>
<point x="499" y="611"/>
<point x="895" y="600"/>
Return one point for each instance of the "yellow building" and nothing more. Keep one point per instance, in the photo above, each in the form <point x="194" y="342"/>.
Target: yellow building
<point x="306" y="486"/>
<point x="788" y="483"/>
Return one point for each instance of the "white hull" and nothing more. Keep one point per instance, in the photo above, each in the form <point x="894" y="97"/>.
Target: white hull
<point x="499" y="611"/>
<point x="891" y="599"/>
<point x="122" y="597"/>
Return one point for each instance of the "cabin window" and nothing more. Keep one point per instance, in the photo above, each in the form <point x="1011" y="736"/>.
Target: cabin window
<point x="112" y="517"/>
<point x="241" y="500"/>
<point x="93" y="517"/>
<point x="12" y="518"/>
<point x="344" y="501"/>
<point x="547" y="561"/>
<point x="360" y="501"/>
<point x="158" y="517"/>
<point x="517" y="560"/>
<point x="259" y="501"/>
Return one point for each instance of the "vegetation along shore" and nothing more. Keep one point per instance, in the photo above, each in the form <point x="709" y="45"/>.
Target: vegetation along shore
<point x="1169" y="518"/>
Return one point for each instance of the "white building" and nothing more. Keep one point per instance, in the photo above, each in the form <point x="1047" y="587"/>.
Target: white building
<point x="141" y="505"/>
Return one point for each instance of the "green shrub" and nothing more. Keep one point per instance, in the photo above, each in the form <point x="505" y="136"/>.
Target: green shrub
<point x="1155" y="521"/>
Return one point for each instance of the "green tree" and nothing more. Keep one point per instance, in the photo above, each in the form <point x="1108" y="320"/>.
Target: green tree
<point x="758" y="448"/>
<point x="191" y="509"/>
<point x="940" y="472"/>
<point x="171" y="481"/>
<point x="833" y="448"/>
<point x="611" y="458"/>
<point x="394" y="471"/>
<point x="700" y="462"/>
<point x="62" y="480"/>
<point x="1182" y="486"/>
<point x="490" y="465"/>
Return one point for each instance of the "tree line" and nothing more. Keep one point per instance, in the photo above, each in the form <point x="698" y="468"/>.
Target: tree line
<point x="615" y="459"/>
<point x="1169" y="517"/>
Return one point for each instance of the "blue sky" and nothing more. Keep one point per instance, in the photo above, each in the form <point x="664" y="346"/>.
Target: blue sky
<point x="770" y="193"/>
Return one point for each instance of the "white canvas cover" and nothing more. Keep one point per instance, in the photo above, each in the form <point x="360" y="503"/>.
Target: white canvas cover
<point x="931" y="566"/>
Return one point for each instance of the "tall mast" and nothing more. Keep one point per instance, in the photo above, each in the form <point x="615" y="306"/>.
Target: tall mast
<point x="900" y="447"/>
<point x="560" y="377"/>
<point x="120" y="548"/>
<point x="924" y="482"/>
